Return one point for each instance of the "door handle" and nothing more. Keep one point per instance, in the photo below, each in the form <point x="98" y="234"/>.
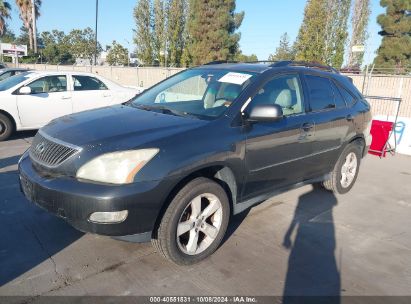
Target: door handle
<point x="307" y="127"/>
<point x="350" y="117"/>
<point x="66" y="97"/>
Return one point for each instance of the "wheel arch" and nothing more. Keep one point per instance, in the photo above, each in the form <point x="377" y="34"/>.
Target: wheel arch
<point x="8" y="115"/>
<point x="359" y="138"/>
<point x="219" y="173"/>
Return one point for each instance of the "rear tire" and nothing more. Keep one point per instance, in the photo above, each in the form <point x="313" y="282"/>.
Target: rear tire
<point x="345" y="172"/>
<point x="6" y="127"/>
<point x="194" y="223"/>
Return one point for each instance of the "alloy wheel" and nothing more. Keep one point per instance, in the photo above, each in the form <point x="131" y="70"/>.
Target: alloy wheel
<point x="199" y="224"/>
<point x="349" y="170"/>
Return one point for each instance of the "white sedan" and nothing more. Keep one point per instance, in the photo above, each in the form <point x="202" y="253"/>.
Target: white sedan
<point x="30" y="100"/>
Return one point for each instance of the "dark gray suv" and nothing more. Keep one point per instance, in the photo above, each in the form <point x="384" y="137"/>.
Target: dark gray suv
<point x="176" y="162"/>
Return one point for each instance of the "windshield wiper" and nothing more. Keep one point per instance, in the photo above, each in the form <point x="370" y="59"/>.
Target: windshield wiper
<point x="165" y="110"/>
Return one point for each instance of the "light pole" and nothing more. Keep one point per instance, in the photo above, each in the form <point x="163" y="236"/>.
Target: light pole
<point x="128" y="51"/>
<point x="33" y="14"/>
<point x="96" y="45"/>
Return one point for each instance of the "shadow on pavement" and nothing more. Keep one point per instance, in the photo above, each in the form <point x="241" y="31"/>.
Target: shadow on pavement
<point x="28" y="235"/>
<point x="312" y="266"/>
<point x="23" y="134"/>
<point x="9" y="161"/>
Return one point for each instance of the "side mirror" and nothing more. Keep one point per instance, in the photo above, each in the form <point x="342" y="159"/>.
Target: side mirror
<point x="25" y="91"/>
<point x="266" y="113"/>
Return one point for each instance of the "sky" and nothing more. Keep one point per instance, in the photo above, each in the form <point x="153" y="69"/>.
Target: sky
<point x="265" y="21"/>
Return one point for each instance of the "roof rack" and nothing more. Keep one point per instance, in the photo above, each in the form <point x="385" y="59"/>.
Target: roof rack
<point x="231" y="61"/>
<point x="220" y="62"/>
<point x="312" y="65"/>
<point x="284" y="63"/>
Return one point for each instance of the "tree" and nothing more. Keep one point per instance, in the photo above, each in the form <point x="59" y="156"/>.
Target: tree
<point x="359" y="22"/>
<point x="311" y="44"/>
<point x="240" y="57"/>
<point x="8" y="36"/>
<point x="395" y="49"/>
<point x="177" y="10"/>
<point x="284" y="51"/>
<point x="57" y="48"/>
<point x="336" y="33"/>
<point x="143" y="33"/>
<point x="117" y="55"/>
<point x="82" y="44"/>
<point x="159" y="31"/>
<point x="212" y="31"/>
<point x="5" y="9"/>
<point x="25" y="8"/>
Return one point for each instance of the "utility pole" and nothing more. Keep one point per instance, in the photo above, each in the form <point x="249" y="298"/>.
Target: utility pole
<point x="96" y="46"/>
<point x="33" y="14"/>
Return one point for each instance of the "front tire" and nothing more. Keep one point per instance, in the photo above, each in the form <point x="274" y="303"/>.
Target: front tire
<point x="194" y="223"/>
<point x="6" y="127"/>
<point x="345" y="172"/>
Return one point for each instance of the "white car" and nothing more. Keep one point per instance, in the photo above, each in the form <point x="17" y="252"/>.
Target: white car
<point x="30" y="100"/>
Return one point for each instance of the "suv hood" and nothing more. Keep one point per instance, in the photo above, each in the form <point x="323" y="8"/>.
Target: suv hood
<point x="111" y="125"/>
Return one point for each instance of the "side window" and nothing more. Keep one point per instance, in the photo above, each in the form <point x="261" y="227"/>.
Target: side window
<point x="285" y="91"/>
<point x="338" y="98"/>
<point x="349" y="99"/>
<point x="321" y="93"/>
<point x="49" y="84"/>
<point x="87" y="83"/>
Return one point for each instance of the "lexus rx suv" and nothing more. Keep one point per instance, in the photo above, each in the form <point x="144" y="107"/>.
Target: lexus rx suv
<point x="175" y="163"/>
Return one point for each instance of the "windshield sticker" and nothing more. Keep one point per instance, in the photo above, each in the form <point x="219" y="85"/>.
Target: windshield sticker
<point x="235" y="78"/>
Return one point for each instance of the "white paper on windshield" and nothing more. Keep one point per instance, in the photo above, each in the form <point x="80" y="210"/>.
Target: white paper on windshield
<point x="235" y="78"/>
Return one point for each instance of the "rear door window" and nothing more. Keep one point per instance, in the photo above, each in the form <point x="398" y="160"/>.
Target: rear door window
<point x="87" y="83"/>
<point x="321" y="93"/>
<point x="348" y="97"/>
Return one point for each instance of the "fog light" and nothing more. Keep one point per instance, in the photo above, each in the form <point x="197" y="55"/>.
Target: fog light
<point x="109" y="217"/>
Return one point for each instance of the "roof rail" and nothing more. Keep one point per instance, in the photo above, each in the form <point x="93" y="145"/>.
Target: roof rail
<point x="312" y="65"/>
<point x="231" y="61"/>
<point x="220" y="62"/>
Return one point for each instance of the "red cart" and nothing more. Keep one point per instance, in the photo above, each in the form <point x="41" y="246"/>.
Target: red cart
<point x="382" y="131"/>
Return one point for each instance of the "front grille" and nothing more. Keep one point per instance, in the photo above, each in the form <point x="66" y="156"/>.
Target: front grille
<point x="50" y="152"/>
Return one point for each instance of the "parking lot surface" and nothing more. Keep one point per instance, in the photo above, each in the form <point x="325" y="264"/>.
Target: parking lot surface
<point x="304" y="242"/>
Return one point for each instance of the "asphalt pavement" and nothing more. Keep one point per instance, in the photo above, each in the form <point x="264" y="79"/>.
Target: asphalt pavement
<point x="304" y="242"/>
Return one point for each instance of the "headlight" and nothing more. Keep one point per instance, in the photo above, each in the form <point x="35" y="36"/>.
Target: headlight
<point x="116" y="168"/>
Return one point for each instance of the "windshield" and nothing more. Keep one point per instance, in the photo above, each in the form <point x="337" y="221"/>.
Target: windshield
<point x="202" y="93"/>
<point x="13" y="81"/>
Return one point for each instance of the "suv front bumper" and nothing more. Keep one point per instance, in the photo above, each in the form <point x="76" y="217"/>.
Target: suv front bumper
<point x="75" y="201"/>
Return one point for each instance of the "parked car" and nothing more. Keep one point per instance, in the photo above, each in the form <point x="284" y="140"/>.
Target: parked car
<point x="31" y="100"/>
<point x="176" y="162"/>
<point x="9" y="72"/>
<point x="3" y="65"/>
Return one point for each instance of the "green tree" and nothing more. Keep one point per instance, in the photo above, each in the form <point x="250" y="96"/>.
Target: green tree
<point x="117" y="55"/>
<point x="240" y="57"/>
<point x="395" y="49"/>
<point x="359" y="21"/>
<point x="284" y="51"/>
<point x="177" y="10"/>
<point x="5" y="9"/>
<point x="8" y="36"/>
<point x="25" y="9"/>
<point x="57" y="48"/>
<point x="336" y="33"/>
<point x="143" y="37"/>
<point x="212" y="31"/>
<point x="159" y="31"/>
<point x="82" y="44"/>
<point x="311" y="43"/>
